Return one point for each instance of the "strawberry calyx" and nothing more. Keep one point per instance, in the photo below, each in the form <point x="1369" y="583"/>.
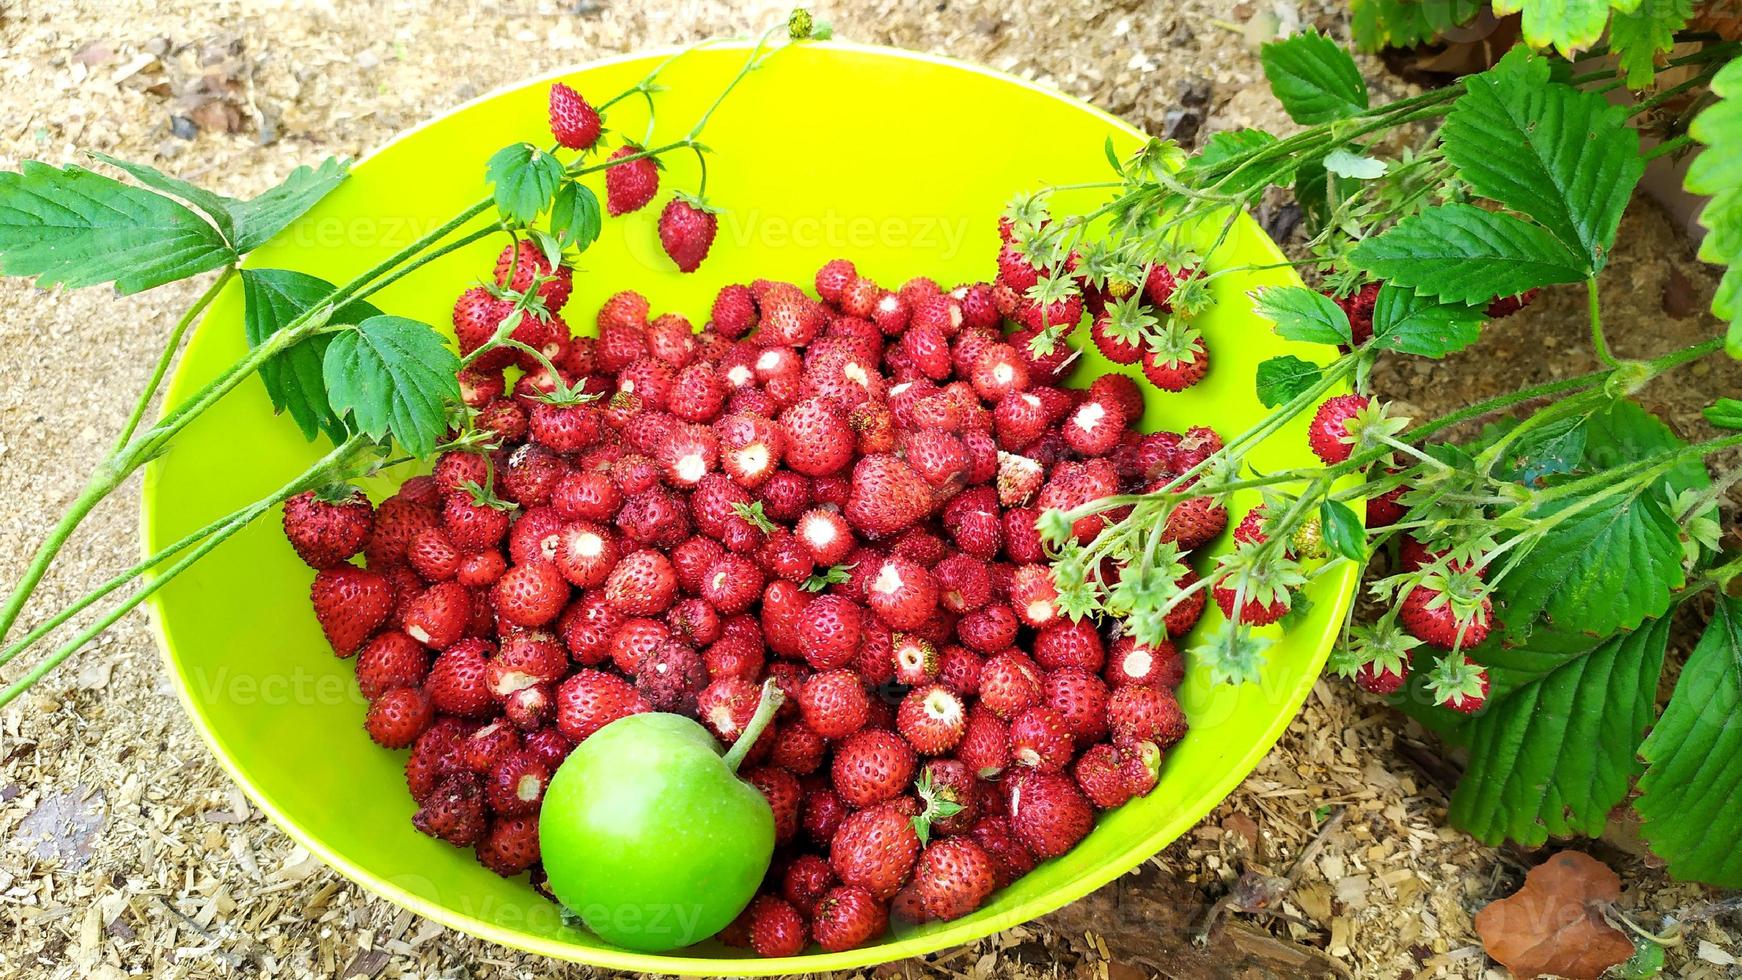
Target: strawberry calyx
<point x="1234" y="654"/>
<point x="1178" y="343"/>
<point x="935" y="806"/>
<point x="335" y="493"/>
<point x="1383" y="647"/>
<point x="1462" y="589"/>
<point x="483" y="497"/>
<point x="1129" y="321"/>
<point x="833" y="575"/>
<point x="1256" y="575"/>
<point x="752" y="512"/>
<point x="1458" y="683"/>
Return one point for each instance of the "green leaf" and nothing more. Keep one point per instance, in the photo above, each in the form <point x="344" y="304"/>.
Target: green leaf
<point x="1343" y="530"/>
<point x="1559" y="155"/>
<point x="1304" y="314"/>
<point x="1717" y="172"/>
<point x="1315" y="80"/>
<point x="393" y="375"/>
<point x="1554" y="756"/>
<point x="1638" y="37"/>
<point x="574" y="216"/>
<point x="1407" y="23"/>
<point x="1725" y="413"/>
<point x="1555" y="448"/>
<point x="1461" y="252"/>
<point x="1409" y="323"/>
<point x="247" y="225"/>
<point x="524" y="179"/>
<point x="74" y="227"/>
<point x="1212" y="162"/>
<point x="272" y="298"/>
<point x="1646" y="961"/>
<point x="1606" y="568"/>
<point x="1355" y="166"/>
<point x="1565" y="25"/>
<point x="1693" y="775"/>
<point x="1282" y="378"/>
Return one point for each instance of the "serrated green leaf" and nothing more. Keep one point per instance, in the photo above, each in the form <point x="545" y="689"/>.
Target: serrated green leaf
<point x="1565" y="25"/>
<point x="574" y="216"/>
<point x="524" y="180"/>
<point x="1315" y="80"/>
<point x="1343" y="530"/>
<point x="1717" y="173"/>
<point x="1409" y="323"/>
<point x="247" y="225"/>
<point x="1555" y="448"/>
<point x="1559" y="155"/>
<point x="1637" y="37"/>
<point x="272" y="298"/>
<point x="1406" y="23"/>
<point x="393" y="375"/>
<point x="1554" y="756"/>
<point x="1282" y="378"/>
<point x="1211" y="163"/>
<point x="1461" y="252"/>
<point x="1693" y="774"/>
<point x="1354" y="166"/>
<point x="1304" y="314"/>
<point x="73" y="227"/>
<point x="1607" y="568"/>
<point x="1725" y="413"/>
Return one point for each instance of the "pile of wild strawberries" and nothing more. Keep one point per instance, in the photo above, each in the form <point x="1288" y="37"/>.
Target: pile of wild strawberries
<point x="839" y="493"/>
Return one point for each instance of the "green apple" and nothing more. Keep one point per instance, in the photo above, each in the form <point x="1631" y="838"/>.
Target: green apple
<point x="648" y="834"/>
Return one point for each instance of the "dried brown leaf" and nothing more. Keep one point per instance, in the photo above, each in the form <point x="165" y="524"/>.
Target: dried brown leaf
<point x="64" y="827"/>
<point x="1554" y="924"/>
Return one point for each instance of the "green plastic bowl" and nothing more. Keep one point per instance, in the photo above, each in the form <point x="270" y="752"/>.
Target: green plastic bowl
<point x="898" y="161"/>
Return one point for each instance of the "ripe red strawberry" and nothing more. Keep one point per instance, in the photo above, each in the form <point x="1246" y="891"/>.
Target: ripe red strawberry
<point x="528" y="708"/>
<point x="629" y="186"/>
<point x="1100" y="775"/>
<point x="1048" y="814"/>
<point x="834" y="703"/>
<point x="1067" y="644"/>
<point x="510" y="846"/>
<point x="940" y="458"/>
<point x="818" y="440"/>
<point x="1359" y="306"/>
<point x="1130" y="662"/>
<point x="432" y="556"/>
<point x="959" y="670"/>
<point x="751" y="448"/>
<point x="436" y="753"/>
<point x="989" y="630"/>
<point x="826" y="535"/>
<point x="573" y="122"/>
<point x="349" y="603"/>
<point x="686" y="231"/>
<point x="776" y="928"/>
<point x="1195" y="522"/>
<point x="888" y="496"/>
<point x="454" y="811"/>
<point x="1428" y="614"/>
<point x="397" y="717"/>
<point x="1179" y="363"/>
<point x="1080" y="698"/>
<point x="635" y="639"/>
<point x="734" y="311"/>
<point x="526" y="658"/>
<point x="1010" y="859"/>
<point x="806" y="880"/>
<point x="871" y="765"/>
<point x="915" y="659"/>
<point x="952" y="877"/>
<point x="1501" y="306"/>
<point x="473" y="520"/>
<point x="902" y="593"/>
<point x="531" y="594"/>
<point x="1140" y="712"/>
<point x="486" y="745"/>
<point x="1041" y="738"/>
<point x="1032" y="596"/>
<point x="972" y="520"/>
<point x="585" y="554"/>
<point x="781" y="789"/>
<point x="1095" y="427"/>
<point x="874" y="849"/>
<point x="985" y="744"/>
<point x="477" y="315"/>
<point x="328" y="526"/>
<point x="1252" y="612"/>
<point x="829" y="631"/>
<point x="932" y="719"/>
<point x="1328" y="434"/>
<point x="797" y="748"/>
<point x="515" y="784"/>
<point x="565" y="427"/>
<point x="643" y="584"/>
<point x="848" y="917"/>
<point x="390" y="660"/>
<point x="670" y="677"/>
<point x="457" y="681"/>
<point x="1019" y="418"/>
<point x="1009" y="683"/>
<point x="1382" y="679"/>
<point x="1019" y="479"/>
<point x="516" y="266"/>
<point x="591" y="699"/>
<point x="437" y="616"/>
<point x="727" y="704"/>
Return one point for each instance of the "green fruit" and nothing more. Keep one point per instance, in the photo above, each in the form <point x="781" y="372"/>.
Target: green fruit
<point x="648" y="834"/>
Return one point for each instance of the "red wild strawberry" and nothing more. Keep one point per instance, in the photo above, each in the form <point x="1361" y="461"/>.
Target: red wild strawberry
<point x="1253" y="612"/>
<point x="635" y="639"/>
<point x="826" y="535"/>
<point x="1100" y="775"/>
<point x="732" y="584"/>
<point x="997" y="372"/>
<point x="527" y="658"/>
<point x="784" y="795"/>
<point x="1195" y="522"/>
<point x="528" y="708"/>
<point x="1032" y="596"/>
<point x="902" y="593"/>
<point x="972" y="520"/>
<point x="1131" y="662"/>
<point x="806" y="880"/>
<point x="1177" y="359"/>
<point x="1329" y="433"/>
<point x="952" y="878"/>
<point x="1040" y="738"/>
<point x="439" y="751"/>
<point x="516" y="782"/>
<point x="932" y="719"/>
<point x="590" y="699"/>
<point x="798" y="749"/>
<point x="1048" y="814"/>
<point x="349" y="603"/>
<point x="1067" y="644"/>
<point x="1009" y="683"/>
<point x="457" y="682"/>
<point x="1383" y="679"/>
<point x="454" y="811"/>
<point x="887" y="496"/>
<point x="1359" y="306"/>
<point x="486" y="745"/>
<point x="1459" y="683"/>
<point x="874" y="849"/>
<point x="585" y="554"/>
<point x="1095" y="427"/>
<point x="477" y="315"/>
<point x="985" y="744"/>
<point x="516" y="267"/>
<point x="734" y="311"/>
<point x="1505" y="306"/>
<point x="432" y="556"/>
<point x="726" y="706"/>
<point x="1451" y="611"/>
<point x="915" y="659"/>
<point x="829" y="630"/>
<point x="398" y="717"/>
<point x="686" y="231"/>
<point x="510" y="846"/>
<point x="750" y="448"/>
<point x="437" y="616"/>
<point x="1080" y="698"/>
<point x="573" y="122"/>
<point x="629" y="186"/>
<point x="565" y="427"/>
<point x="871" y="766"/>
<point x="959" y="669"/>
<point x="531" y="594"/>
<point x="989" y="630"/>
<point x="776" y="928"/>
<point x="329" y="525"/>
<point x="585" y="495"/>
<point x="1018" y="419"/>
<point x="818" y="439"/>
<point x="536" y="536"/>
<point x="643" y="584"/>
<point x="833" y="278"/>
<point x="848" y="917"/>
<point x="391" y="660"/>
<point x="1137" y="711"/>
<point x="939" y="457"/>
<point x="1019" y="478"/>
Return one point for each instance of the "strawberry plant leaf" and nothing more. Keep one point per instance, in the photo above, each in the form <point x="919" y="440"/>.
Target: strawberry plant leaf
<point x="272" y="298"/>
<point x="1565" y="25"/>
<point x="1377" y="24"/>
<point x="393" y="375"/>
<point x="523" y="179"/>
<point x="1314" y="78"/>
<point x="246" y="225"/>
<point x="1553" y="449"/>
<point x="1461" y="252"/>
<point x="1546" y="150"/>
<point x="1282" y="378"/>
<point x="1553" y="756"/>
<point x="1343" y="530"/>
<point x="1717" y="172"/>
<point x="574" y="216"/>
<point x="1212" y="162"/>
<point x="1637" y="37"/>
<point x="1410" y="323"/>
<point x="74" y="227"/>
<point x="1687" y="796"/>
<point x="1725" y="413"/>
<point x="1304" y="314"/>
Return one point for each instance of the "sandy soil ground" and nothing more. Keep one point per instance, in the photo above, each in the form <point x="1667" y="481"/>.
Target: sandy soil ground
<point x="171" y="873"/>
